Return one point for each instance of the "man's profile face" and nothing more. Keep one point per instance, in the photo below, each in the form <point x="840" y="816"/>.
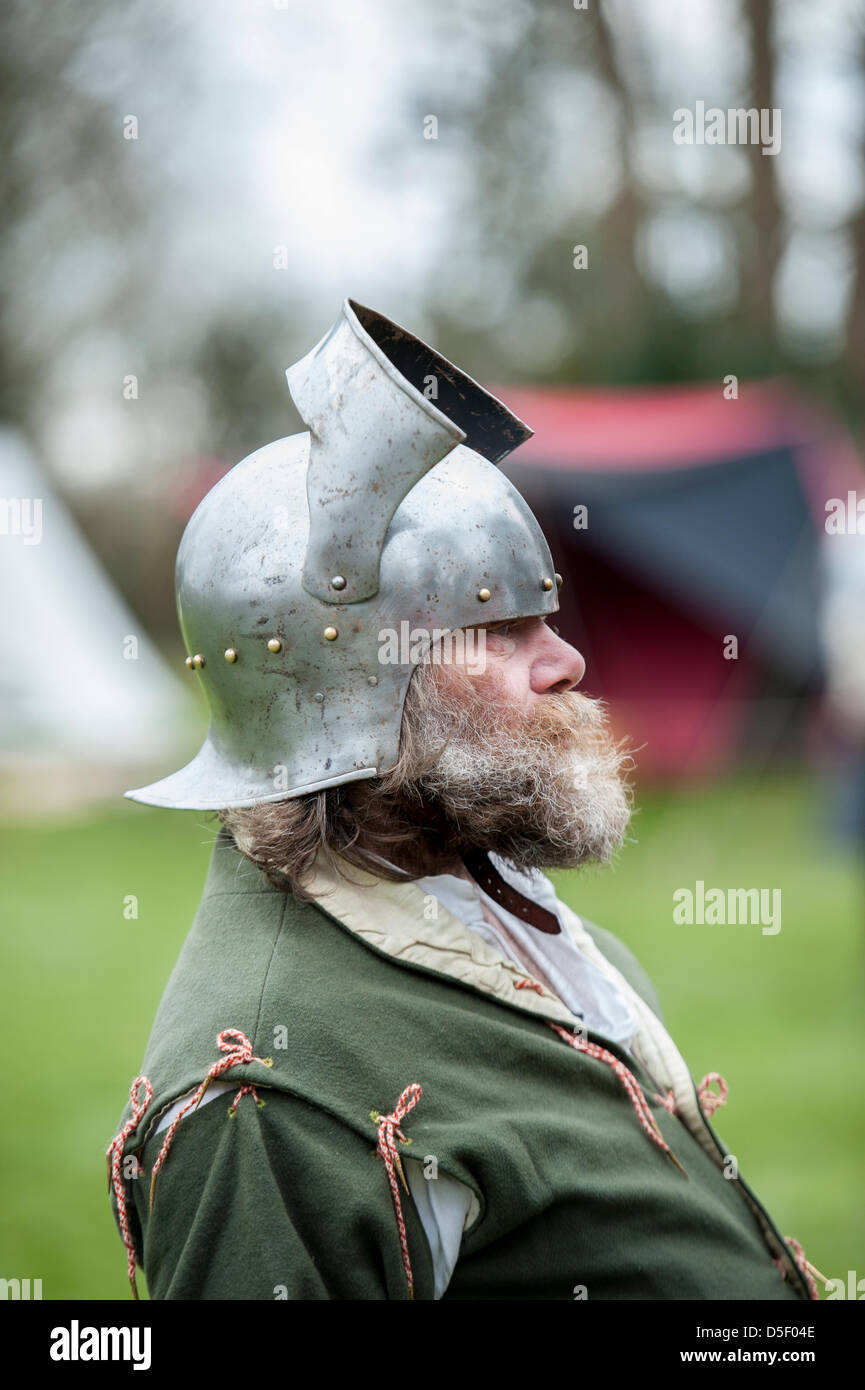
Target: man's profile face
<point x="514" y="756"/>
<point x="526" y="659"/>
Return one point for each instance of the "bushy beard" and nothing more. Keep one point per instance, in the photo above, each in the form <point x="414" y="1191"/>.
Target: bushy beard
<point x="542" y="788"/>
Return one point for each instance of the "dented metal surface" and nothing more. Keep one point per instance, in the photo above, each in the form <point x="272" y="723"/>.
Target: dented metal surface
<point x="397" y="498"/>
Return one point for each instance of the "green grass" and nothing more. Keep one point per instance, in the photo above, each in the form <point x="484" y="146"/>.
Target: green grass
<point x="781" y="1017"/>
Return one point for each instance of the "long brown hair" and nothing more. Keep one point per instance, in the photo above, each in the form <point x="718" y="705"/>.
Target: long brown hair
<point x="357" y="821"/>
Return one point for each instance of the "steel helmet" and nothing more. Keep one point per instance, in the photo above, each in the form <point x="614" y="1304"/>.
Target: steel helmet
<point x="388" y="515"/>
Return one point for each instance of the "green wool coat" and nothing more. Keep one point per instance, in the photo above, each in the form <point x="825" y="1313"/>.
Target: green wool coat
<point x="374" y="988"/>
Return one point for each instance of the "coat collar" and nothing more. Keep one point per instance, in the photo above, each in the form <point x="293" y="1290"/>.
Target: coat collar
<point x="412" y="926"/>
<point x="402" y="921"/>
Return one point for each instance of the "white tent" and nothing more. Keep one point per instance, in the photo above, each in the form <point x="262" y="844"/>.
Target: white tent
<point x="80" y="684"/>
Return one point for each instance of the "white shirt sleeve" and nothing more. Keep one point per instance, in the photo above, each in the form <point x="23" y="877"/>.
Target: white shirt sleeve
<point x="446" y="1208"/>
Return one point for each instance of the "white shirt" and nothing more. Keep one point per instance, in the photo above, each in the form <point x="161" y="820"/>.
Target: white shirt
<point x="576" y="980"/>
<point x="446" y="1206"/>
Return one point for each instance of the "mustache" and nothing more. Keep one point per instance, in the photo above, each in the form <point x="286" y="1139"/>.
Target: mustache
<point x="567" y="721"/>
<point x="565" y="716"/>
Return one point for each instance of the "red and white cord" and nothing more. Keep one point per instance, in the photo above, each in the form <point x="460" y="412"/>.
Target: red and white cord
<point x="388" y="1132"/>
<point x="236" y="1052"/>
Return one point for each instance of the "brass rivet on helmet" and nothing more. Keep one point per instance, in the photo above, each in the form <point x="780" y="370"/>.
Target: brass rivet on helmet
<point x="547" y="583"/>
<point x="190" y="663"/>
<point x="372" y="680"/>
<point x="337" y="582"/>
<point x="559" y="580"/>
<point x="274" y="645"/>
<point x="318" y="697"/>
<point x="331" y="634"/>
<point x="230" y="654"/>
<point x="198" y="660"/>
<point x="484" y="595"/>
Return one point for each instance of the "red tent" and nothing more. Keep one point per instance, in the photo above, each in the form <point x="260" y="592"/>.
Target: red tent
<point x="704" y="521"/>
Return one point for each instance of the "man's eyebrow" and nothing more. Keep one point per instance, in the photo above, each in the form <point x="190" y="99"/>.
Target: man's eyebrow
<point x="510" y="622"/>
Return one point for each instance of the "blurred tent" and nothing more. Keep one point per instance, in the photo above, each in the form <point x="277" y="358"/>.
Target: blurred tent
<point x="705" y="520"/>
<point x="85" y="698"/>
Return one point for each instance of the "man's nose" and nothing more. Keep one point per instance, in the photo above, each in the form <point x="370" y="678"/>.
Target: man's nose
<point x="560" y="666"/>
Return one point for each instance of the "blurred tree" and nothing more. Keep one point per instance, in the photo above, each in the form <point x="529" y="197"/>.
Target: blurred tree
<point x="72" y="196"/>
<point x="764" y="210"/>
<point x="516" y="226"/>
<point x="855" y="355"/>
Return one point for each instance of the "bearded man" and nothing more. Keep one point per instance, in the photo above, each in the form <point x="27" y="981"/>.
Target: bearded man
<point x="390" y="1062"/>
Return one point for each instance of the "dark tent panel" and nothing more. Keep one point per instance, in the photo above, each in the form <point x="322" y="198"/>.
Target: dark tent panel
<point x="704" y="522"/>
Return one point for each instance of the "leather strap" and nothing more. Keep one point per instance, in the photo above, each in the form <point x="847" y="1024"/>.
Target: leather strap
<point x="484" y="873"/>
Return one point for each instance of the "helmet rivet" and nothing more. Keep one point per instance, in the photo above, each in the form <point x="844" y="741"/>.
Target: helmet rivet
<point x="484" y="595"/>
<point x="548" y="584"/>
<point x="274" y="645"/>
<point x="337" y="582"/>
<point x="318" y="697"/>
<point x="198" y="660"/>
<point x="372" y="680"/>
<point x="559" y="580"/>
<point x="331" y="634"/>
<point x="230" y="654"/>
<point x="190" y="663"/>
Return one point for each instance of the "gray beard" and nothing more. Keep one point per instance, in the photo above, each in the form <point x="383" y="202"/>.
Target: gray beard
<point x="545" y="790"/>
